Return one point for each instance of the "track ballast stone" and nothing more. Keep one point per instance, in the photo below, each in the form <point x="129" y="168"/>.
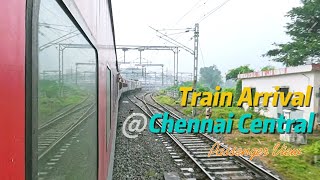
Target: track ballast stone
<point x="144" y="157"/>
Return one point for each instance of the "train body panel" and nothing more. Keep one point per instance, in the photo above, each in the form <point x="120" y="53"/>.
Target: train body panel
<point x="12" y="79"/>
<point x="94" y="17"/>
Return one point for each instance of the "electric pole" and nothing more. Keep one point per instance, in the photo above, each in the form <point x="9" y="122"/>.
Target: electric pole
<point x="195" y="69"/>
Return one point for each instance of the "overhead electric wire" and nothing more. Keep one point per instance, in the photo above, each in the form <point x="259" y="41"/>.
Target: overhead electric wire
<point x="204" y="65"/>
<point x="50" y="24"/>
<point x="182" y="46"/>
<point x="60" y="36"/>
<point x="213" y="10"/>
<point x="175" y="29"/>
<point x="56" y="29"/>
<point x="192" y="8"/>
<point x="58" y="39"/>
<point x="177" y="33"/>
<point x="168" y="40"/>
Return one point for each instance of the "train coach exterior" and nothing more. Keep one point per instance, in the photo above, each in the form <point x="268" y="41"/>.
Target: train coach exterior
<point x="131" y="85"/>
<point x="61" y="59"/>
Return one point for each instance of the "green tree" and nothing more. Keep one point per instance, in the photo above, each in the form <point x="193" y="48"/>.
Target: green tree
<point x="267" y="68"/>
<point x="203" y="89"/>
<point x="304" y="31"/>
<point x="238" y="90"/>
<point x="210" y="76"/>
<point x="233" y="73"/>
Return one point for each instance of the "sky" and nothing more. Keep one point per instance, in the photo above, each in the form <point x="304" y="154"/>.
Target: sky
<point x="54" y="24"/>
<point x="239" y="33"/>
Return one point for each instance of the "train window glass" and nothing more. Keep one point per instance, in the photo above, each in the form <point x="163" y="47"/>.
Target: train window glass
<point x="108" y="88"/>
<point x="67" y="98"/>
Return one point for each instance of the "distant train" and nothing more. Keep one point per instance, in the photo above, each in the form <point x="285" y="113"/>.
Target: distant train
<point x="60" y="89"/>
<point x="129" y="85"/>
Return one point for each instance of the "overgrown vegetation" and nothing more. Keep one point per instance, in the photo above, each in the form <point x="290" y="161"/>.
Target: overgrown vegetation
<point x="304" y="32"/>
<point x="51" y="98"/>
<point x="211" y="76"/>
<point x="304" y="166"/>
<point x="166" y="100"/>
<point x="289" y="167"/>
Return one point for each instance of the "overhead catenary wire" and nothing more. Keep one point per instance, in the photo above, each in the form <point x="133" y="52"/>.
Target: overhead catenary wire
<point x="204" y="65"/>
<point x="213" y="10"/>
<point x="168" y="40"/>
<point x="56" y="29"/>
<point x="50" y="24"/>
<point x="175" y="29"/>
<point x="188" y="12"/>
<point x="178" y="33"/>
<point x="59" y="39"/>
<point x="175" y="42"/>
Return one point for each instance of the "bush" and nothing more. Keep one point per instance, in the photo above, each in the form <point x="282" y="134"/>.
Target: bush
<point x="313" y="149"/>
<point x="238" y="91"/>
<point x="165" y="100"/>
<point x="232" y="90"/>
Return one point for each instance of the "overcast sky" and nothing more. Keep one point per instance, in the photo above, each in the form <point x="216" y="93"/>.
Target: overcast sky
<point x="237" y="34"/>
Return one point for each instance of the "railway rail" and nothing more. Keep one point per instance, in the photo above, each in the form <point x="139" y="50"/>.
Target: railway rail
<point x="197" y="146"/>
<point x="52" y="133"/>
<point x="62" y="115"/>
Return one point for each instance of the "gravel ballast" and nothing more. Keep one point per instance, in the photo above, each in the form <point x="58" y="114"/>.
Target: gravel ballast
<point x="144" y="157"/>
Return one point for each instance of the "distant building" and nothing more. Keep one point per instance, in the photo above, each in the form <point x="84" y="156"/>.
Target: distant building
<point x="290" y="79"/>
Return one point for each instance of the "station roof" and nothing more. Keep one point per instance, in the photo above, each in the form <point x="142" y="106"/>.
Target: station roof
<point x="282" y="71"/>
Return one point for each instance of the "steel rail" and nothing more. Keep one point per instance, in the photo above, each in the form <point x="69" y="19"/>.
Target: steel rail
<point x="82" y="118"/>
<point x="61" y="116"/>
<point x="242" y="158"/>
<point x="176" y="141"/>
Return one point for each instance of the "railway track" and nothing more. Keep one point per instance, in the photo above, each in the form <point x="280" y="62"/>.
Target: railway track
<point x="197" y="146"/>
<point x="52" y="133"/>
<point x="60" y="112"/>
<point x="62" y="115"/>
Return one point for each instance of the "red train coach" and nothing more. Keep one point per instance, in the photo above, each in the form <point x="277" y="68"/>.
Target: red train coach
<point x="59" y="93"/>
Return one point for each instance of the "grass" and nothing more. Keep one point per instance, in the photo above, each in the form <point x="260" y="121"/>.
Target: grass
<point x="288" y="167"/>
<point x="50" y="100"/>
<point x="166" y="100"/>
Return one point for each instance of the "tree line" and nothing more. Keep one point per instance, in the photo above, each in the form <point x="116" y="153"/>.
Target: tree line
<point x="304" y="47"/>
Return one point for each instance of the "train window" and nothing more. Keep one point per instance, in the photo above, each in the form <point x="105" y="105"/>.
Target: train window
<point x="108" y="88"/>
<point x="67" y="98"/>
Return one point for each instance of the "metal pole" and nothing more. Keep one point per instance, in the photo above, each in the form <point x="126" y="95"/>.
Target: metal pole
<point x="140" y="50"/>
<point x="174" y="68"/>
<point x="145" y="77"/>
<point x="62" y="76"/>
<point x="195" y="70"/>
<point x="142" y="71"/>
<point x="162" y="76"/>
<point x="124" y="56"/>
<point x="59" y="65"/>
<point x="76" y="74"/>
<point x="177" y="65"/>
<point x="167" y="77"/>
